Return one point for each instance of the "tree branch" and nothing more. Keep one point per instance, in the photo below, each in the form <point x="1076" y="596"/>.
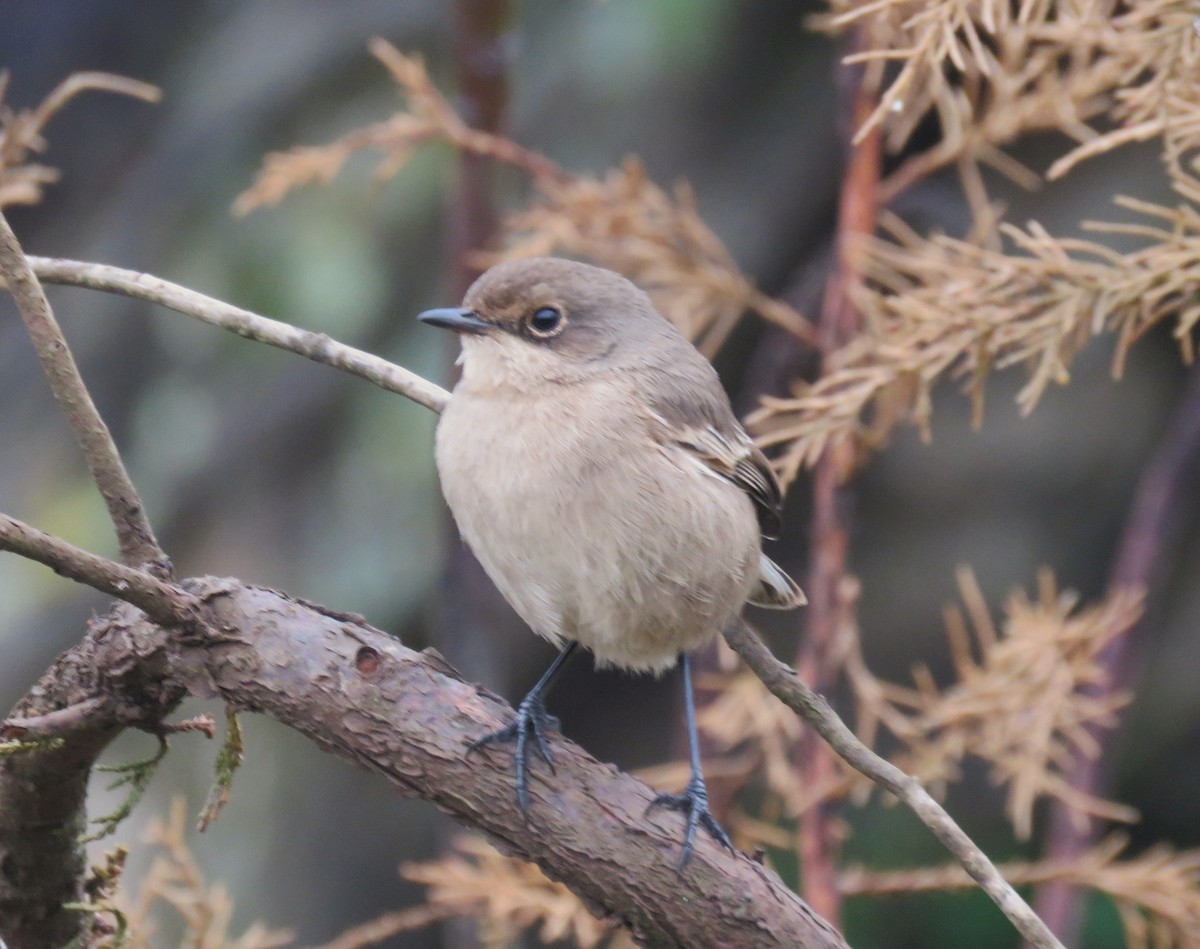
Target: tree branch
<point x="788" y="687"/>
<point x="138" y="544"/>
<point x="315" y="346"/>
<point x="363" y="696"/>
<point x="481" y="66"/>
<point x="161" y="601"/>
<point x="79" y="82"/>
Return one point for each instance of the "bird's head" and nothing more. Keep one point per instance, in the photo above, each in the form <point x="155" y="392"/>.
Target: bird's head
<point x="549" y="319"/>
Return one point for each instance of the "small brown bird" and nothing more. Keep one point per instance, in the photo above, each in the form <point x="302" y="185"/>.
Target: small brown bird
<point x="595" y="467"/>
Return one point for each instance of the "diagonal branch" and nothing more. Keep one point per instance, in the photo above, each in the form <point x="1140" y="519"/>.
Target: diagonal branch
<point x="138" y="544"/>
<point x="788" y="687"/>
<point x="361" y="695"/>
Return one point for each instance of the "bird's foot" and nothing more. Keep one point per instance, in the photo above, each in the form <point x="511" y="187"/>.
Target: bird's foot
<point x="693" y="802"/>
<point x="532" y="719"/>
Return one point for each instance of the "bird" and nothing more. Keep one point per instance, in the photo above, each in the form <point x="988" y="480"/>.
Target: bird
<point x="593" y="464"/>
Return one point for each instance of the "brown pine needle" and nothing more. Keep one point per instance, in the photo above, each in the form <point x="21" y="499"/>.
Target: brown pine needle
<point x="509" y="897"/>
<point x="1156" y="893"/>
<point x="941" y="307"/>
<point x="1025" y="705"/>
<point x="22" y="180"/>
<point x="622" y="221"/>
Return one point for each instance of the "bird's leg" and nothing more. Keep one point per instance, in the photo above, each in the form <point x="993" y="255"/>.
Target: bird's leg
<point x="694" y="799"/>
<point x="532" y="719"/>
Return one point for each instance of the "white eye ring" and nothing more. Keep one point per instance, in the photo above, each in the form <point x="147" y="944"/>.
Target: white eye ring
<point x="546" y="321"/>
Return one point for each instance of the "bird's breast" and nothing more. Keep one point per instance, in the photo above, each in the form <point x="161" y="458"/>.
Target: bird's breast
<point x="589" y="528"/>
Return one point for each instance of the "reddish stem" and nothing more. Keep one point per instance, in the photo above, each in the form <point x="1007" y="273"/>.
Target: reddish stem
<point x="820" y="840"/>
<point x="466" y="624"/>
<point x="1153" y="525"/>
<point x="481" y="65"/>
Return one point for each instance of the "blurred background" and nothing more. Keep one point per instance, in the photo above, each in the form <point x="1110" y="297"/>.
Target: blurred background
<point x="257" y="464"/>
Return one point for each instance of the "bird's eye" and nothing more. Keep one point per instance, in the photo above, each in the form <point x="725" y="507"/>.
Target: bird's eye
<point x="546" y="321"/>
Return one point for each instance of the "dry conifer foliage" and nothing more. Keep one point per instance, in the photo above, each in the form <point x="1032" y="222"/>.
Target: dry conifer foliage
<point x="621" y="220"/>
<point x="1103" y="74"/>
<point x="22" y="178"/>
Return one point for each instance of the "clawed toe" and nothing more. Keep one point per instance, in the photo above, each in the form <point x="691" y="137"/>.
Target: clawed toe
<point x="693" y="802"/>
<point x="532" y="719"/>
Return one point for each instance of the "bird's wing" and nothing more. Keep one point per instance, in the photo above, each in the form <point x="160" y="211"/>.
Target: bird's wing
<point x="706" y="429"/>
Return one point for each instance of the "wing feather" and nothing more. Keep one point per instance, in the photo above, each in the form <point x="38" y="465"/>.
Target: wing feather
<point x="723" y="446"/>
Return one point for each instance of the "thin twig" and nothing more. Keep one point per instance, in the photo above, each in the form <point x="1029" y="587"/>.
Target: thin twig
<point x="785" y="685"/>
<point x="56" y="724"/>
<point x="1156" y="517"/>
<point x="79" y="82"/>
<point x="163" y="602"/>
<point x="384" y="927"/>
<point x="134" y="534"/>
<point x="315" y="346"/>
<point x="21" y="180"/>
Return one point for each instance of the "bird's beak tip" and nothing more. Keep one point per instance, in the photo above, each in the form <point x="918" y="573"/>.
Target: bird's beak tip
<point x="457" y="319"/>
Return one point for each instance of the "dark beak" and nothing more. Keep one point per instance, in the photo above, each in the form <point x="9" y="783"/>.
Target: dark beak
<point x="457" y="319"/>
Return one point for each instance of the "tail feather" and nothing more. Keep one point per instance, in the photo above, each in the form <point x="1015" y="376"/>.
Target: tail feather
<point x="775" y="589"/>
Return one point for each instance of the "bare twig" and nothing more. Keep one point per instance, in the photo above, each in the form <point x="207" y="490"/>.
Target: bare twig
<point x="138" y="545"/>
<point x="21" y="180"/>
<point x="163" y="602"/>
<point x="791" y="690"/>
<point x="315" y="346"/>
<point x="79" y="82"/>
<point x="428" y="117"/>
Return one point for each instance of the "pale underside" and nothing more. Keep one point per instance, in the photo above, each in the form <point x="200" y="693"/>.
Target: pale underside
<point x="594" y="530"/>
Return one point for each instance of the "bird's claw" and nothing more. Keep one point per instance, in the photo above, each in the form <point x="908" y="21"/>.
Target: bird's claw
<point x="693" y="802"/>
<point x="532" y="719"/>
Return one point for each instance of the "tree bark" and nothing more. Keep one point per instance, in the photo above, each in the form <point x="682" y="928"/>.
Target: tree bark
<point x="363" y="696"/>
